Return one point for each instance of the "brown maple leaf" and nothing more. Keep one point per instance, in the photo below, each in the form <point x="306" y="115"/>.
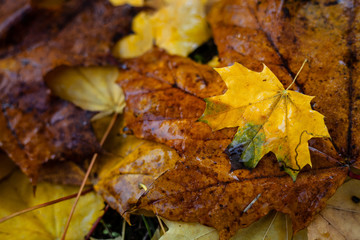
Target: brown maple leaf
<point x="35" y="126"/>
<point x="164" y="96"/>
<point x="200" y="188"/>
<point x="283" y="34"/>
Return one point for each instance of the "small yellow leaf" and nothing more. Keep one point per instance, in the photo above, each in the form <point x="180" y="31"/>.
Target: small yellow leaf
<point x="136" y="3"/>
<point x="91" y="88"/>
<point x="138" y="43"/>
<point x="179" y="27"/>
<point x="273" y="226"/>
<point x="341" y="217"/>
<point x="269" y="118"/>
<point x="188" y="231"/>
<point x="214" y="62"/>
<point x="16" y="193"/>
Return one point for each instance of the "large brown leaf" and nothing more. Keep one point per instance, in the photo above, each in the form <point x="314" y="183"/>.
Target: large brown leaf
<point x="164" y="101"/>
<point x="282" y="34"/>
<point x="35" y="126"/>
<point x="26" y="23"/>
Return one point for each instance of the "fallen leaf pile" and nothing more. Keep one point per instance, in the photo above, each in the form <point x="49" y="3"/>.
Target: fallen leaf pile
<point x="35" y="126"/>
<point x="57" y="60"/>
<point x="203" y="180"/>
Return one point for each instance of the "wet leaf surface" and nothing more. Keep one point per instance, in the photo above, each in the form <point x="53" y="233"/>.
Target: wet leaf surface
<point x="36" y="126"/>
<point x="128" y="166"/>
<point x="282" y="35"/>
<point x="164" y="101"/>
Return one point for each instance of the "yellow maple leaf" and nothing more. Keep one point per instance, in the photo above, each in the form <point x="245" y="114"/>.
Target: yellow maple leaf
<point x="179" y="27"/>
<point x="16" y="193"/>
<point x="91" y="88"/>
<point x="270" y="118"/>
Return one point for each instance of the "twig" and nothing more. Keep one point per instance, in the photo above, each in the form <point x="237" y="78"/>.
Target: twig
<point x="123" y="230"/>
<point x="252" y="203"/>
<point x="111" y="124"/>
<point x="302" y="66"/>
<point x="43" y="205"/>
<point x="161" y="224"/>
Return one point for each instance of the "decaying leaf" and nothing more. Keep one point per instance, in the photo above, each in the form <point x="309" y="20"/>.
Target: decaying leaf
<point x="270" y="119"/>
<point x="128" y="167"/>
<point x="201" y="188"/>
<point x="37" y="127"/>
<point x="26" y="23"/>
<point x="178" y="27"/>
<point x="273" y="226"/>
<point x="63" y="172"/>
<point x="91" y="88"/>
<point x="16" y="193"/>
<point x="11" y="11"/>
<point x="341" y="217"/>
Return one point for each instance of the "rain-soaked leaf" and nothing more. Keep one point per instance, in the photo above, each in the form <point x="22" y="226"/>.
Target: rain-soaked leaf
<point x="179" y="27"/>
<point x="282" y="34"/>
<point x="201" y="188"/>
<point x="341" y="217"/>
<point x="37" y="127"/>
<point x="25" y="23"/>
<point x="91" y="88"/>
<point x="269" y="118"/>
<point x="128" y="167"/>
<point x="16" y="193"/>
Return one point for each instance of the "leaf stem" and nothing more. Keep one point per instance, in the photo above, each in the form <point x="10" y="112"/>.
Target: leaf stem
<point x="44" y="205"/>
<point x="123" y="230"/>
<point x="161" y="224"/>
<point x="111" y="124"/>
<point x="302" y="66"/>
